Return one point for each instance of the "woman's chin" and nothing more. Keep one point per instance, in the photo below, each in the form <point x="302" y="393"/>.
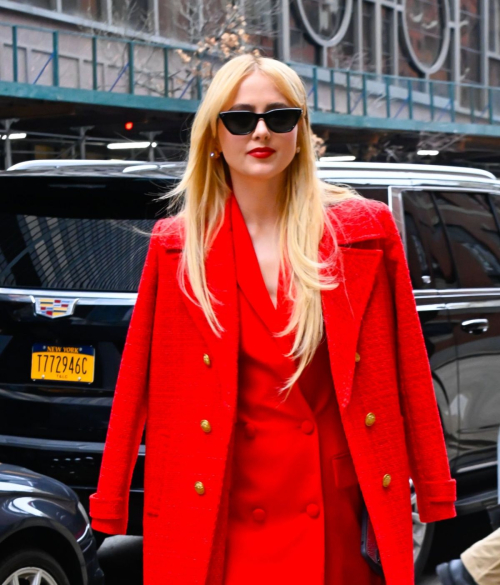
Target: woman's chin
<point x="261" y="170"/>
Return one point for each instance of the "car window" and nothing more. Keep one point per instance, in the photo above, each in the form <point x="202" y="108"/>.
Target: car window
<point x="371" y="193"/>
<point x="75" y="234"/>
<point x="473" y="235"/>
<point x="495" y="204"/>
<point x="428" y="252"/>
<point x="60" y="253"/>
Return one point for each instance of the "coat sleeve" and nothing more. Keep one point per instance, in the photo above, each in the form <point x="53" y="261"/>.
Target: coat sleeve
<point x="429" y="467"/>
<point x="109" y="505"/>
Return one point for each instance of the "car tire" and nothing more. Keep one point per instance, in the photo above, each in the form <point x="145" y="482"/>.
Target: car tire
<point x="423" y="535"/>
<point x="30" y="562"/>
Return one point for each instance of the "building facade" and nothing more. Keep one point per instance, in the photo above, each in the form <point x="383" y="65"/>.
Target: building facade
<point x="384" y="77"/>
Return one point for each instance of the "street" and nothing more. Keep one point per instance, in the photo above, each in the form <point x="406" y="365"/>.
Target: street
<point x="121" y="556"/>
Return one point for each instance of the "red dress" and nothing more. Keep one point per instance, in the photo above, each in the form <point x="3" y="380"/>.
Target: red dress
<point x="295" y="502"/>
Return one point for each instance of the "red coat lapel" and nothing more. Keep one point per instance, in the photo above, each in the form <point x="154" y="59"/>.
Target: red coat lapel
<point x="221" y="280"/>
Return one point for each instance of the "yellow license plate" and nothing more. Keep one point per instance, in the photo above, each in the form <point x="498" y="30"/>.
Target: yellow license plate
<point x="61" y="363"/>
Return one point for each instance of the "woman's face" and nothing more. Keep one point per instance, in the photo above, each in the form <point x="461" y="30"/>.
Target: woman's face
<point x="257" y="93"/>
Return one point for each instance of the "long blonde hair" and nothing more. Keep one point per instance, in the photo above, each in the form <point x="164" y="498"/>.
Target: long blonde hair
<point x="204" y="189"/>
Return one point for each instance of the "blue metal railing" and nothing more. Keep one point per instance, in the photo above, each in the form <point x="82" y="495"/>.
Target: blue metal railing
<point x="133" y="67"/>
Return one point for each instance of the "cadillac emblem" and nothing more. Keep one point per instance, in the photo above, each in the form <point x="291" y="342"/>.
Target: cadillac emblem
<point x="53" y="308"/>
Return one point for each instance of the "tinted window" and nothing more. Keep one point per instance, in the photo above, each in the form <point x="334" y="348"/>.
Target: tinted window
<point x="428" y="252"/>
<point x="473" y="236"/>
<point x="370" y="193"/>
<point x="81" y="234"/>
<point x="495" y="203"/>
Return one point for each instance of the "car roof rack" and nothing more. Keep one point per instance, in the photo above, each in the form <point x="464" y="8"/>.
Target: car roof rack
<point x="405" y="168"/>
<point x="55" y="164"/>
<point x="137" y="167"/>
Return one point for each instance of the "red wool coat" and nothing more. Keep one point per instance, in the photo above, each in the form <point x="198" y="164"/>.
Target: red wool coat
<point x="175" y="373"/>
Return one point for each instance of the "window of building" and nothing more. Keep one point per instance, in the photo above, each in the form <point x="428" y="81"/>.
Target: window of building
<point x="405" y="66"/>
<point x="425" y="23"/>
<point x="344" y="55"/>
<point x="137" y="14"/>
<point x="260" y="17"/>
<point x="444" y="74"/>
<point x="494" y="71"/>
<point x="470" y="41"/>
<point x="473" y="236"/>
<point x="302" y="47"/>
<point x="494" y="26"/>
<point x="91" y="9"/>
<point x="325" y="16"/>
<point x="387" y="39"/>
<point x="177" y="20"/>
<point x="368" y="36"/>
<point x="428" y="252"/>
<point x="39" y="3"/>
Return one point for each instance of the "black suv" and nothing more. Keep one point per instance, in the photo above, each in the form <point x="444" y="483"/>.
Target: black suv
<point x="71" y="255"/>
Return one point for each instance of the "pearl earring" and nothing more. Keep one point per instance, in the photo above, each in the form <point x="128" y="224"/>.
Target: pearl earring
<point x="215" y="154"/>
<point x="298" y="149"/>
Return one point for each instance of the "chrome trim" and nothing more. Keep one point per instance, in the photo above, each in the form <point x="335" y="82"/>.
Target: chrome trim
<point x="17" y="295"/>
<point x="349" y="167"/>
<point x="472" y="305"/>
<point x="395" y="200"/>
<point x="56" y="445"/>
<point x="469" y="322"/>
<point x="407" y="168"/>
<point x="475" y="326"/>
<point x="460" y="292"/>
<point x="70" y="310"/>
<point x="494" y="190"/>
<point x="428" y="292"/>
<point x="57" y="164"/>
<point x="437" y="307"/>
<point x="402" y="181"/>
<point x="405" y="176"/>
<point x="477" y="466"/>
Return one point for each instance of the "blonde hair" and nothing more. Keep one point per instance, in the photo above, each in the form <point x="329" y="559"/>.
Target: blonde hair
<point x="204" y="189"/>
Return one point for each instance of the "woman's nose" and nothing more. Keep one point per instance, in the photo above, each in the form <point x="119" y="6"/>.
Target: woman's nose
<point x="261" y="129"/>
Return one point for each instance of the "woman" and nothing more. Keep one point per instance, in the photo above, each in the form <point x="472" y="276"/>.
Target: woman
<point x="276" y="354"/>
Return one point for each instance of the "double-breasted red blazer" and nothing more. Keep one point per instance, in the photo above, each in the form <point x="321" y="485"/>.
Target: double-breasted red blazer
<point x="175" y="373"/>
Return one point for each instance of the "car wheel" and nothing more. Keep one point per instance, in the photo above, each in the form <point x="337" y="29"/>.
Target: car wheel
<point x="31" y="566"/>
<point x="422" y="536"/>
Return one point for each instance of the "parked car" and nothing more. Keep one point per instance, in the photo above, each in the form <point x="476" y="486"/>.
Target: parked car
<point x="45" y="533"/>
<point x="70" y="260"/>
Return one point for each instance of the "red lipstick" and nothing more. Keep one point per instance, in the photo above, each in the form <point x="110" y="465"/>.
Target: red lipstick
<point x="262" y="152"/>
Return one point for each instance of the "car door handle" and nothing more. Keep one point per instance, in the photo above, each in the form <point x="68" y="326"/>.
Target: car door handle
<point x="475" y="326"/>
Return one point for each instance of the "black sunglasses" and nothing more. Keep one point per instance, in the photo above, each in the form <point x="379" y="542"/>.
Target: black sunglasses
<point x="242" y="122"/>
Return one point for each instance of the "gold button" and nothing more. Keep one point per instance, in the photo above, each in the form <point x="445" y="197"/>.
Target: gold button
<point x="199" y="487"/>
<point x="205" y="426"/>
<point x="357" y="357"/>
<point x="206" y="359"/>
<point x="370" y="419"/>
<point x="387" y="480"/>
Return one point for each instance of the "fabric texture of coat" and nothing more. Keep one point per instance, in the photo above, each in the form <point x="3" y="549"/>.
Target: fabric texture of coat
<point x="175" y="373"/>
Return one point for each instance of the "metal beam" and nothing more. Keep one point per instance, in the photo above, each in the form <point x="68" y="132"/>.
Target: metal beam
<point x="96" y="98"/>
<point x="344" y="120"/>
